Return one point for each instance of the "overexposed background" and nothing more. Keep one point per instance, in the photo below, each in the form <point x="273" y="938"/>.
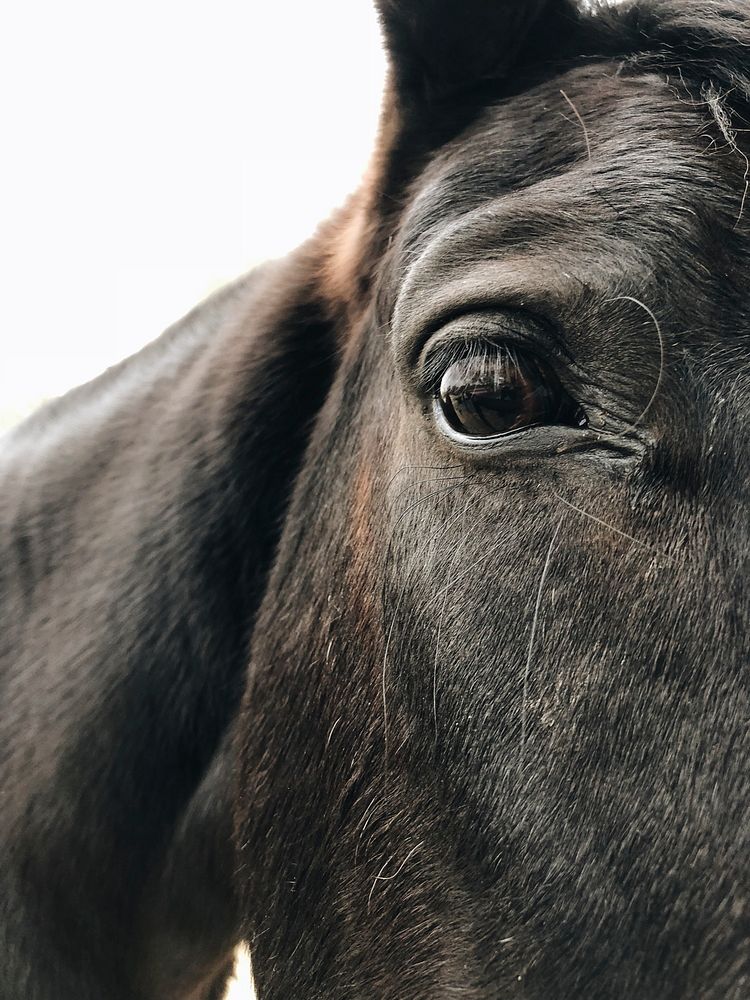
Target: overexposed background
<point x="154" y="150"/>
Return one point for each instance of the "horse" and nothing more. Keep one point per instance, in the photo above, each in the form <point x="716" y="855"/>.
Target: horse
<point x="390" y="611"/>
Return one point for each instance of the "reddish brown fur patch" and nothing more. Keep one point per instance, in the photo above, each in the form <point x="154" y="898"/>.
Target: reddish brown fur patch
<point x="351" y="240"/>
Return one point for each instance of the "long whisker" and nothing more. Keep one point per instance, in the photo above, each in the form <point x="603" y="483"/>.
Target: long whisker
<point x="611" y="527"/>
<point x="380" y="877"/>
<point x="662" y="354"/>
<point x="423" y="482"/>
<point x="384" y="684"/>
<point x="419" y="468"/>
<point x="443" y="491"/>
<point x="532" y="640"/>
<point x="365" y="820"/>
<point x="454" y="558"/>
<point x="581" y="122"/>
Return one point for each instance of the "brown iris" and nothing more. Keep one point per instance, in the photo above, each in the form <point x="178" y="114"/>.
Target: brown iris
<point x="500" y="392"/>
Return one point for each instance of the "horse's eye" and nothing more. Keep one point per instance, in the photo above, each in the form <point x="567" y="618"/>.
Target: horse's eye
<point x="500" y="392"/>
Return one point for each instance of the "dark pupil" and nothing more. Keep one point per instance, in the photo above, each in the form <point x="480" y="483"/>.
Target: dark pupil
<point x="497" y="394"/>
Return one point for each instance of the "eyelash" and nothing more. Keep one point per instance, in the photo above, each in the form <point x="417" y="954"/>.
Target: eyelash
<point x="480" y="350"/>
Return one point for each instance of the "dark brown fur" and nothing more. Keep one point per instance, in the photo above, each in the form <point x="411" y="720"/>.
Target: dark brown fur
<point x="493" y="741"/>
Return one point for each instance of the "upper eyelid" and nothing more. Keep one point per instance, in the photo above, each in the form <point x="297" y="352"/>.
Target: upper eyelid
<point x="512" y="327"/>
<point x="492" y="322"/>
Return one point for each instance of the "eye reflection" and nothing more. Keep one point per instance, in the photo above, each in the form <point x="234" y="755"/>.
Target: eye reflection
<point x="501" y="391"/>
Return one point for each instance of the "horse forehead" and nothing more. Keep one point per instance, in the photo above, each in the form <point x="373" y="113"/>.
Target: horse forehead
<point x="635" y="133"/>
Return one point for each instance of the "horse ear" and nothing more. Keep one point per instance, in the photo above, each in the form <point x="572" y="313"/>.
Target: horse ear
<point x="439" y="47"/>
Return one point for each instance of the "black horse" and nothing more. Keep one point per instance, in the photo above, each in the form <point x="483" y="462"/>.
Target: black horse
<point x="465" y="482"/>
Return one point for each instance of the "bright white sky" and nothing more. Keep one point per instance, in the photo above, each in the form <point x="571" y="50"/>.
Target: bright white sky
<point x="153" y="150"/>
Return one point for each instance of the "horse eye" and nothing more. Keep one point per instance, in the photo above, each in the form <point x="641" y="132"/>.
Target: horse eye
<point x="501" y="392"/>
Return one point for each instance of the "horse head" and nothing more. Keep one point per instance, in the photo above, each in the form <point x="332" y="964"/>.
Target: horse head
<point x="495" y="740"/>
